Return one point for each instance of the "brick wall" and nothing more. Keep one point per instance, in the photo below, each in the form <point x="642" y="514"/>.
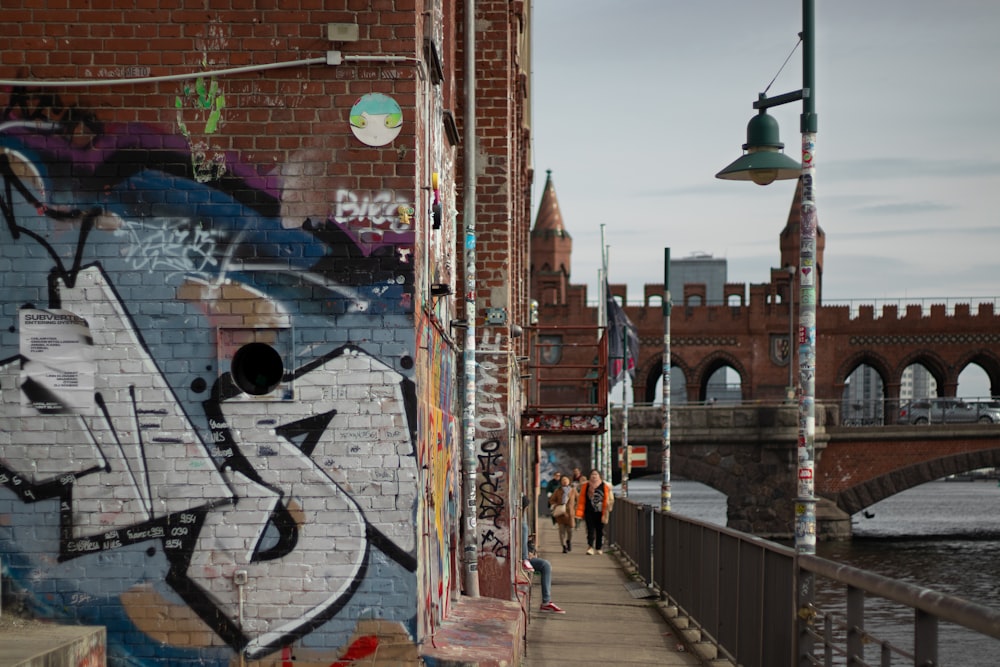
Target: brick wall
<point x="502" y="223"/>
<point x="228" y="421"/>
<point x="750" y="337"/>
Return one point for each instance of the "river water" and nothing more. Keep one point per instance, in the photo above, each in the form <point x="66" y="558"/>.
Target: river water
<point x="942" y="535"/>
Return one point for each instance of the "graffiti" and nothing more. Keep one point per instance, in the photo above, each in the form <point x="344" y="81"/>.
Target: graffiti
<point x="371" y="215"/>
<point x="490" y="425"/>
<point x="208" y="103"/>
<point x="360" y="648"/>
<point x="175" y="247"/>
<point x="219" y="499"/>
<point x="560" y="423"/>
<point x="28" y="105"/>
<point x="492" y="503"/>
<point x="490" y="415"/>
<point x="494" y="544"/>
<point x="439" y="455"/>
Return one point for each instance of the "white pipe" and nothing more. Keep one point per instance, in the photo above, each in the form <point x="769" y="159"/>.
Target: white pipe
<point x="76" y="83"/>
<point x="322" y="60"/>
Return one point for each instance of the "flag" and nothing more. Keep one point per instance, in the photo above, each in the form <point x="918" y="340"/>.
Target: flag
<point x="623" y="341"/>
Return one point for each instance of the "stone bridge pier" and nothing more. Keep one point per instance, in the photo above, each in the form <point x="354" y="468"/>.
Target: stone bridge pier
<point x="749" y="453"/>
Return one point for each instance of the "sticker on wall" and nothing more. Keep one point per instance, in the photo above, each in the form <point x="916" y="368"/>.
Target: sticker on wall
<point x="57" y="367"/>
<point x="376" y="119"/>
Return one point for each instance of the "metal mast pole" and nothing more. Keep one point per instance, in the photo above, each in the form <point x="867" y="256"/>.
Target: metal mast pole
<point x="601" y="443"/>
<point x="665" y="457"/>
<point x="604" y="460"/>
<point x="626" y="451"/>
<point x="805" y="506"/>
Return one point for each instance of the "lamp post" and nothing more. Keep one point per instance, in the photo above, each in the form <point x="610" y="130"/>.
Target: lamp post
<point x="665" y="491"/>
<point x="762" y="163"/>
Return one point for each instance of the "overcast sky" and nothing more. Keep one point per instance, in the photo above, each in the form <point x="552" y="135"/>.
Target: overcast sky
<point x="636" y="104"/>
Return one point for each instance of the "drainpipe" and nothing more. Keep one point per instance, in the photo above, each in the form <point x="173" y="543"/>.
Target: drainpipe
<point x="470" y="536"/>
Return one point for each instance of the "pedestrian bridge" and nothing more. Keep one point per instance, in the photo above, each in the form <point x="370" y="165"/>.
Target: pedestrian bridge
<point x="748" y="453"/>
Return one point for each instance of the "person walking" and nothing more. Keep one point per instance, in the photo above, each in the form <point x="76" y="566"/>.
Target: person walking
<point x="594" y="507"/>
<point x="553" y="483"/>
<point x="578" y="480"/>
<point x="551" y="487"/>
<point x="562" y="503"/>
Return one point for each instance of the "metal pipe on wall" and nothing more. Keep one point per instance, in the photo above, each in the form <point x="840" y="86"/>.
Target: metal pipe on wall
<point x="470" y="537"/>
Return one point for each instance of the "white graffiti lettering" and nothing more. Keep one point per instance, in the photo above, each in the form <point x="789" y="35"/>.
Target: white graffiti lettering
<point x="379" y="212"/>
<point x="174" y="244"/>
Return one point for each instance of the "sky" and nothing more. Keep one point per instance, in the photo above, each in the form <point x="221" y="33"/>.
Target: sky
<point x="637" y="104"/>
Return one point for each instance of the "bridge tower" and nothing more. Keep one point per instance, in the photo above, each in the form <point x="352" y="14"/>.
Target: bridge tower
<point x="551" y="250"/>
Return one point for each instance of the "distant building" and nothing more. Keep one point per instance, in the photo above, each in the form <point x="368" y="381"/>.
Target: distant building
<point x="917" y="382"/>
<point x="863" y="403"/>
<point x="700" y="268"/>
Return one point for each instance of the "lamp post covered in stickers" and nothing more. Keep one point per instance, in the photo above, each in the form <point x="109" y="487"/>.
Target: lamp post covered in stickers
<point x="763" y="162"/>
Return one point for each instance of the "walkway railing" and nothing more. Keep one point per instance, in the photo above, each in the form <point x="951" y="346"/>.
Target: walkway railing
<point x="756" y="600"/>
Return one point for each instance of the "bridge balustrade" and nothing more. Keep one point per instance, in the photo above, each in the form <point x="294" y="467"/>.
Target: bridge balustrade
<point x="983" y="410"/>
<point x="756" y="600"/>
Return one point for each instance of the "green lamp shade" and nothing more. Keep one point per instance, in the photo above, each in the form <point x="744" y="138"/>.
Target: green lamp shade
<point x="762" y="162"/>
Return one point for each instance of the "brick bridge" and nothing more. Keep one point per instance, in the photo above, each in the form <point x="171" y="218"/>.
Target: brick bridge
<point x="748" y="328"/>
<point x="748" y="454"/>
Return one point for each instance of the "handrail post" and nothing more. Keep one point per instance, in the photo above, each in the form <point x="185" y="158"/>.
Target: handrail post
<point x="925" y="639"/>
<point x="855" y="624"/>
<point x="804" y="586"/>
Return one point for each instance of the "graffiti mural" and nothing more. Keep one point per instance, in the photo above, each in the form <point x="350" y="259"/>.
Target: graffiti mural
<point x="438" y="455"/>
<point x="493" y="451"/>
<point x="207" y="408"/>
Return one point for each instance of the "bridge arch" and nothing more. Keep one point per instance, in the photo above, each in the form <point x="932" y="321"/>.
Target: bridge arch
<point x="865" y="494"/>
<point x="985" y="359"/>
<point x="866" y="358"/>
<point x="705" y="473"/>
<point x="653" y="371"/>
<point x="712" y="363"/>
<point x="935" y="365"/>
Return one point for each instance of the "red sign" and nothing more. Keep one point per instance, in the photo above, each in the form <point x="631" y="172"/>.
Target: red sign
<point x="638" y="456"/>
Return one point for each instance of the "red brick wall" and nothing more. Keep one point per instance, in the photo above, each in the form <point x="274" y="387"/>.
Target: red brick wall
<point x="502" y="223"/>
<point x="847" y="464"/>
<point x="705" y="337"/>
<point x="343" y="229"/>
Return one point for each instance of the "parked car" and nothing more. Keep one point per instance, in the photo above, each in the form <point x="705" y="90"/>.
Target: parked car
<point x="948" y="411"/>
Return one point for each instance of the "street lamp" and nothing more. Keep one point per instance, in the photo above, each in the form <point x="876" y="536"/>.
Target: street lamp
<point x="763" y="163"/>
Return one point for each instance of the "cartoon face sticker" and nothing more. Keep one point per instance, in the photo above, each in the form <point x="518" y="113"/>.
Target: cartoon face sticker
<point x="376" y="119"/>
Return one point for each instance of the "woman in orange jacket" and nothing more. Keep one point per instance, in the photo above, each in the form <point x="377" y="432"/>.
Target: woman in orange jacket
<point x="594" y="506"/>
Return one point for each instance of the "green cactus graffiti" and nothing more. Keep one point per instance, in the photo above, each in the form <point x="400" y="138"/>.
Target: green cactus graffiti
<point x="209" y="101"/>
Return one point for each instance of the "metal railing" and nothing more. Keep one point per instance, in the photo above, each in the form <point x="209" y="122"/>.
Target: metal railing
<point x="983" y="410"/>
<point x="756" y="601"/>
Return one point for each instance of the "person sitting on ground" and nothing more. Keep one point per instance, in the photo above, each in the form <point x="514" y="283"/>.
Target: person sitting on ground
<point x="544" y="568"/>
<point x="531" y="562"/>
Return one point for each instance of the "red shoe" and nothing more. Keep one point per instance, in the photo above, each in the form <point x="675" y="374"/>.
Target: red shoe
<point x="526" y="564"/>
<point x="552" y="608"/>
